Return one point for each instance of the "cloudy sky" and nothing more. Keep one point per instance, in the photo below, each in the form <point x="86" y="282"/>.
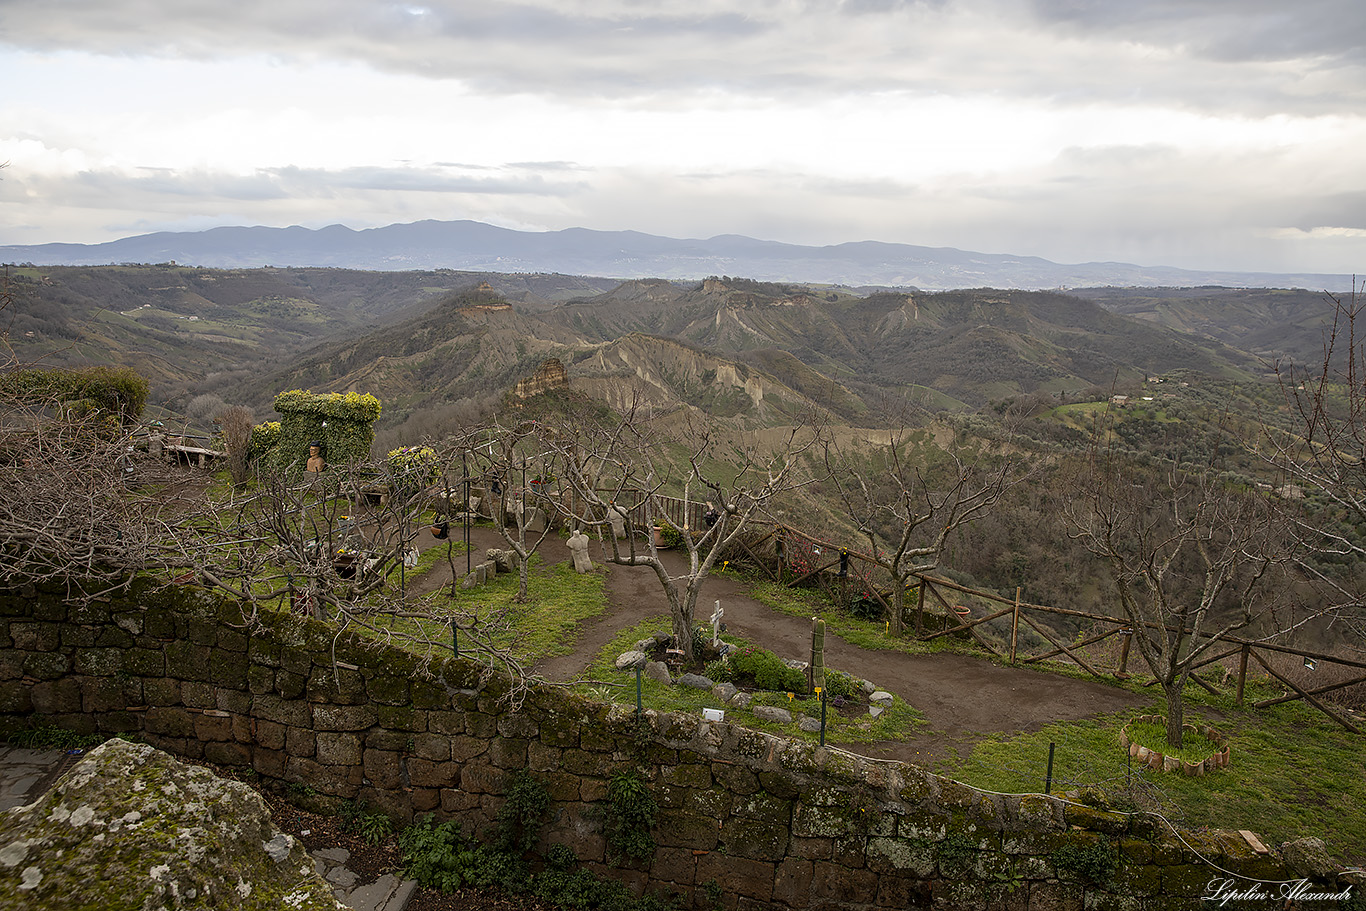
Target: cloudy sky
<point x="1215" y="134"/>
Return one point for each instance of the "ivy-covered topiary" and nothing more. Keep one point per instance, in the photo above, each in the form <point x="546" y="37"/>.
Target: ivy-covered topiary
<point x="264" y="438"/>
<point x="118" y="393"/>
<point x="413" y="467"/>
<point x="342" y="423"/>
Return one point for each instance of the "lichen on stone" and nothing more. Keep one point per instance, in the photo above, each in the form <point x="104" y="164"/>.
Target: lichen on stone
<point x="132" y="828"/>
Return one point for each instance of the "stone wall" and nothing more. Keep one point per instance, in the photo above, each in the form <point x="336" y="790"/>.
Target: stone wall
<point x="775" y="823"/>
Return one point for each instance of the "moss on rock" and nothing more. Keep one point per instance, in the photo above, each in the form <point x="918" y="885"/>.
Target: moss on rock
<point x="130" y="827"/>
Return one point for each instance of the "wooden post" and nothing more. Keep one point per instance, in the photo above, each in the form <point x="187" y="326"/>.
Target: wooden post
<point x="1127" y="635"/>
<point x="1242" y="671"/>
<point x="920" y="610"/>
<point x="1015" y="625"/>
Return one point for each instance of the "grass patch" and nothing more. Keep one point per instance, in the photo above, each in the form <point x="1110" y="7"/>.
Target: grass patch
<point x="1293" y="772"/>
<point x="544" y="626"/>
<point x="899" y="722"/>
<point x="867" y="634"/>
<point x="1194" y="746"/>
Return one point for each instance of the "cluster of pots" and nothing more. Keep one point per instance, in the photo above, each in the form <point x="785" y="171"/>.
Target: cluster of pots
<point x="1160" y="762"/>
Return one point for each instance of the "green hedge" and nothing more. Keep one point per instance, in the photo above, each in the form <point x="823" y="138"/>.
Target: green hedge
<point x="119" y="392"/>
<point x="342" y="423"/>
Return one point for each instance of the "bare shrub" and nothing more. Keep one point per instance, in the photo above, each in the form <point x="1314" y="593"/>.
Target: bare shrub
<point x="237" y="423"/>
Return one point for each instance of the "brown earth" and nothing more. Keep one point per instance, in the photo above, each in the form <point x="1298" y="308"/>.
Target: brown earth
<point x="963" y="697"/>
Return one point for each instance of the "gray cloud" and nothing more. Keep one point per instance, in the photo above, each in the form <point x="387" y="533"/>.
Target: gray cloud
<point x="1308" y="56"/>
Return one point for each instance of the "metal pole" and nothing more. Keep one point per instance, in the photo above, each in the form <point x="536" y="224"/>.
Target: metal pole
<point x="639" y="665"/>
<point x="1048" y="782"/>
<point x="455" y="638"/>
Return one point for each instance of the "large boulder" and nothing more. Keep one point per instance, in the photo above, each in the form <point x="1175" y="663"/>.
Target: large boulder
<point x="131" y="827"/>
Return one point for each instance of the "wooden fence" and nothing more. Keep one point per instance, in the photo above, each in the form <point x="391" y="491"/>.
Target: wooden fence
<point x="796" y="558"/>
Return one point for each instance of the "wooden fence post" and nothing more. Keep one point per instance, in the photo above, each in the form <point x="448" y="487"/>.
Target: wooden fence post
<point x="1127" y="635"/>
<point x="920" y="609"/>
<point x="1015" y="625"/>
<point x="1242" y="671"/>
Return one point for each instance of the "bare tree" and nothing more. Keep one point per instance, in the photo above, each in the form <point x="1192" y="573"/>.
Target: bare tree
<point x="516" y="469"/>
<point x="907" y="510"/>
<point x="1190" y="560"/>
<point x="1325" y="453"/>
<point x="622" y="469"/>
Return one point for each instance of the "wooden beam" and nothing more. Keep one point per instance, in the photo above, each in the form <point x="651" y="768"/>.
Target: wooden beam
<point x="1307" y="697"/>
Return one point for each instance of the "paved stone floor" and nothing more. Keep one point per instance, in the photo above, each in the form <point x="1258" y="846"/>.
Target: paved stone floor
<point x="25" y="775"/>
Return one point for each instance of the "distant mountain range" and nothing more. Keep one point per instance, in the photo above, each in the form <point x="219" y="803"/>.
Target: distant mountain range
<point x="473" y="246"/>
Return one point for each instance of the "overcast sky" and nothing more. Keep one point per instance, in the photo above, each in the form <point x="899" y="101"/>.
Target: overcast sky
<point x="1213" y="134"/>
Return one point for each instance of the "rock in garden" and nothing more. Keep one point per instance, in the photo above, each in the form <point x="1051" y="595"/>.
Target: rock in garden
<point x="1308" y="857"/>
<point x="696" y="681"/>
<point x="808" y="724"/>
<point x="503" y="561"/>
<point x="723" y="691"/>
<point x="882" y="697"/>
<point x="772" y="713"/>
<point x="658" y="670"/>
<point x="162" y="834"/>
<point x="741" y="700"/>
<point x="876" y="710"/>
<point x="628" y="660"/>
<point x="868" y="687"/>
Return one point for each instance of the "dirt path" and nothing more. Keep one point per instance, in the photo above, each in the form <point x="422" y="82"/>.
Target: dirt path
<point x="963" y="697"/>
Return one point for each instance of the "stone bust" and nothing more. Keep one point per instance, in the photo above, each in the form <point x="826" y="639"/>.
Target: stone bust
<point x="315" y="457"/>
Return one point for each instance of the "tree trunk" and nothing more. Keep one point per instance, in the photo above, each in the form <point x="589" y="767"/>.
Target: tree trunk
<point x="898" y="606"/>
<point x="1175" y="712"/>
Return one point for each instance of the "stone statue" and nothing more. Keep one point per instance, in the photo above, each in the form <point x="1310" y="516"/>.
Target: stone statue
<point x="578" y="546"/>
<point x="618" y="520"/>
<point x="315" y="457"/>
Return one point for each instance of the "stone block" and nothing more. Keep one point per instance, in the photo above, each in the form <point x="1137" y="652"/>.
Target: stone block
<point x="453" y="800"/>
<point x="681" y="829"/>
<point x="541" y="758"/>
<point x="508" y="753"/>
<point x="198" y="695"/>
<point x="237" y="702"/>
<point x="282" y="711"/>
<point x="145" y="662"/>
<point x="831" y="882"/>
<point x="738" y="876"/>
<point x="388" y="690"/>
<point x="169" y="722"/>
<point x="231" y="754"/>
<point x="46" y="665"/>
<point x="301" y="742"/>
<point x="479" y="724"/>
<point x="343" y="717"/>
<point x="465" y="748"/>
<point x="792" y="882"/>
<point x="158" y="691"/>
<point x="481" y="778"/>
<point x="270" y="735"/>
<point x="423" y="773"/>
<point x="382" y="768"/>
<point x="753" y="839"/>
<point x="338" y="749"/>
<point x="213" y="727"/>
<point x="901" y="855"/>
<point x="36" y="637"/>
<point x="674" y="865"/>
<point x="432" y="747"/>
<point x="52" y="697"/>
